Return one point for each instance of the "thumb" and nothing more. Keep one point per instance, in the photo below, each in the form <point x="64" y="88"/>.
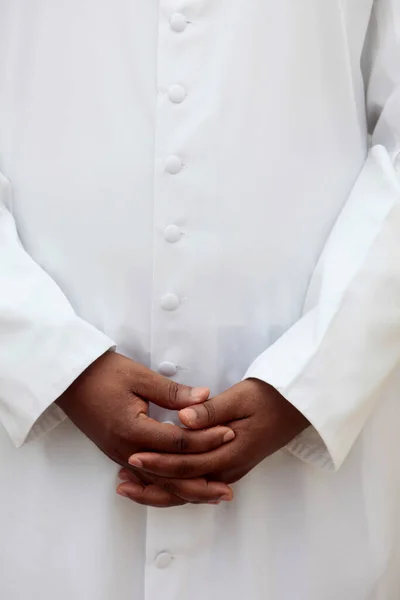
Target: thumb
<point x="221" y="409"/>
<point x="180" y="396"/>
<point x="169" y="394"/>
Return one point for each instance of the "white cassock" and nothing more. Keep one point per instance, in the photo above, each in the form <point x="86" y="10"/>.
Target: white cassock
<point x="193" y="181"/>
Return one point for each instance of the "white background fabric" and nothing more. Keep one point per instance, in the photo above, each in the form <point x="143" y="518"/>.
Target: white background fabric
<point x="286" y="267"/>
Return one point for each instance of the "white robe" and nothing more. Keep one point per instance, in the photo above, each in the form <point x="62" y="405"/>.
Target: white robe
<point x="244" y="125"/>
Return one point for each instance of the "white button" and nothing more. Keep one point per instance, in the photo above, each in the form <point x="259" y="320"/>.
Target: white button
<point x="178" y="22"/>
<point x="172" y="234"/>
<point x="176" y="93"/>
<point x="163" y="560"/>
<point x="173" y="165"/>
<point x="170" y="302"/>
<point x="168" y="369"/>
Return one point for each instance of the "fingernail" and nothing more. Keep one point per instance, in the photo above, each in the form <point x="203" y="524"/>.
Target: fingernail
<point x="199" y="394"/>
<point x="226" y="498"/>
<point x="134" y="488"/>
<point x="190" y="415"/>
<point x="229" y="436"/>
<point x="123" y="474"/>
<point x="215" y="502"/>
<point x="135" y="462"/>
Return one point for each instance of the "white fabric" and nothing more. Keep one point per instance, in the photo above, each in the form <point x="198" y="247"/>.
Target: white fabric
<point x="251" y="201"/>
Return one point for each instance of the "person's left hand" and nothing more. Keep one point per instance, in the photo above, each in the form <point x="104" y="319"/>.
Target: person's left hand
<point x="262" y="419"/>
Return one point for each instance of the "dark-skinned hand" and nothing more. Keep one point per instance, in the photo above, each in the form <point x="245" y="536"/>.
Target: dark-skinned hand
<point x="109" y="404"/>
<point x="263" y="422"/>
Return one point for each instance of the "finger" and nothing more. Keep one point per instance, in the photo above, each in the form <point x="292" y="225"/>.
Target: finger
<point x="142" y="478"/>
<point x="185" y="467"/>
<point x="164" y="437"/>
<point x="145" y="479"/>
<point x="149" y="495"/>
<point x="127" y="475"/>
<point x="199" y="491"/>
<point x="165" y="392"/>
<point x="221" y="409"/>
<point x="136" y="477"/>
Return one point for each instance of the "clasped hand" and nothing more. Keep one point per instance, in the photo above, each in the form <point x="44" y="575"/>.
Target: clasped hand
<point x="164" y="465"/>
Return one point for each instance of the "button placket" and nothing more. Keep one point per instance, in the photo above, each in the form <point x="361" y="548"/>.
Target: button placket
<point x="168" y="206"/>
<point x="174" y="195"/>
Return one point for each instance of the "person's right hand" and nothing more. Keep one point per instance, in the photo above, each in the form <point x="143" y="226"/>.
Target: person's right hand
<point x="109" y="404"/>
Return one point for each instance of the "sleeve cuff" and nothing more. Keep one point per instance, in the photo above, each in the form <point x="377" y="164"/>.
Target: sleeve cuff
<point x="51" y="371"/>
<point x="314" y="445"/>
<point x="332" y="362"/>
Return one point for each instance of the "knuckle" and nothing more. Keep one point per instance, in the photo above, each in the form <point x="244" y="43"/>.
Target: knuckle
<point x="211" y="412"/>
<point x="170" y="487"/>
<point x="173" y="392"/>
<point x="184" y="469"/>
<point x="180" y="442"/>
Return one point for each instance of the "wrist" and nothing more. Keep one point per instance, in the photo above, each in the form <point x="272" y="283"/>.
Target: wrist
<point x="67" y="397"/>
<point x="283" y="411"/>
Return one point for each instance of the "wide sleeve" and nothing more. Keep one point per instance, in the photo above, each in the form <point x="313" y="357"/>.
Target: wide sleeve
<point x="44" y="345"/>
<point x="333" y="362"/>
